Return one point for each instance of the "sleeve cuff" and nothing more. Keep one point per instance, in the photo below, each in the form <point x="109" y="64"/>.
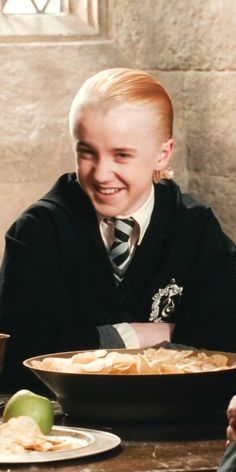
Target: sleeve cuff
<point x="109" y="337"/>
<point x="128" y="334"/>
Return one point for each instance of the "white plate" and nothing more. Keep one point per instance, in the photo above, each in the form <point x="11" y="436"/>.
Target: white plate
<point x="90" y="442"/>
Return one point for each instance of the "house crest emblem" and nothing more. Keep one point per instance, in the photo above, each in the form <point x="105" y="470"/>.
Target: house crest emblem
<point x="165" y="301"/>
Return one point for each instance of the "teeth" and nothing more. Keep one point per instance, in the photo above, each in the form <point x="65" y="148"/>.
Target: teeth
<point x="108" y="191"/>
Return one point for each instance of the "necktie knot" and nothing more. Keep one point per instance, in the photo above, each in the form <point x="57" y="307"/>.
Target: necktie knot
<point x="122" y="229"/>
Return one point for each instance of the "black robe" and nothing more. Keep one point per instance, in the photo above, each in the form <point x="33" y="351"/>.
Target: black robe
<point x="57" y="283"/>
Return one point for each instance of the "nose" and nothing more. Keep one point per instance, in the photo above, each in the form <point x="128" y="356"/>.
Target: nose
<point x="103" y="169"/>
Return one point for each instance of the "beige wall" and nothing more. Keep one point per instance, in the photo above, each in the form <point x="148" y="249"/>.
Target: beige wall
<point x="189" y="44"/>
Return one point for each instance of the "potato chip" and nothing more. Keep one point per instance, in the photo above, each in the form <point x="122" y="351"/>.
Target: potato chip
<point x="22" y="435"/>
<point x="88" y="356"/>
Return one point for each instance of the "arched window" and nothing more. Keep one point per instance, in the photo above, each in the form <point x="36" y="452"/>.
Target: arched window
<point x="53" y="19"/>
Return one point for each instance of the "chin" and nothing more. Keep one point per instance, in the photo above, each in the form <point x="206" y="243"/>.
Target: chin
<point x="107" y="210"/>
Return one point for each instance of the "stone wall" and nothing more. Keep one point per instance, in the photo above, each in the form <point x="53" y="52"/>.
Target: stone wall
<point x="190" y="45"/>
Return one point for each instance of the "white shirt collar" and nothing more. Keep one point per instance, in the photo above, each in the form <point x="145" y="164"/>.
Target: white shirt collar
<point x="143" y="215"/>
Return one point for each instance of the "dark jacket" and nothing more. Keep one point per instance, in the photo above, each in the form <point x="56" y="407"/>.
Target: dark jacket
<point x="57" y="283"/>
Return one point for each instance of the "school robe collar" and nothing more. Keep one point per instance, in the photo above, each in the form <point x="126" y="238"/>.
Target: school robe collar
<point x="169" y="214"/>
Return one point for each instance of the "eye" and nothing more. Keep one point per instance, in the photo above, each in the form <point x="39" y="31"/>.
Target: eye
<point x="122" y="155"/>
<point x="84" y="153"/>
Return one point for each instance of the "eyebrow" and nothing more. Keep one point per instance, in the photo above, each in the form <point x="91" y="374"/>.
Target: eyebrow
<point x="83" y="144"/>
<point x="127" y="149"/>
<point x="118" y="149"/>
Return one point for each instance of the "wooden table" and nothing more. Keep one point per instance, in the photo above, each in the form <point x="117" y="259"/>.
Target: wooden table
<point x="195" y="446"/>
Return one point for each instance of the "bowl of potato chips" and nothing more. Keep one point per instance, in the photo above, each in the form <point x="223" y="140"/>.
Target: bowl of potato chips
<point x="138" y="385"/>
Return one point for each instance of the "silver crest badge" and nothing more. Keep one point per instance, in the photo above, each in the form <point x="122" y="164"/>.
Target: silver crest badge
<point x="164" y="301"/>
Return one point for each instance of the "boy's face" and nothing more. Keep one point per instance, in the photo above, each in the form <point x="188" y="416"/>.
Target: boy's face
<point x="116" y="154"/>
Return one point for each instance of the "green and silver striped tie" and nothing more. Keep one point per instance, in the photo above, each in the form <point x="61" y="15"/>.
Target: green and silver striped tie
<point x="120" y="252"/>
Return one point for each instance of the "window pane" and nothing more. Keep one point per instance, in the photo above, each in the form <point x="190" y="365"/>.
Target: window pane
<point x="17" y="7"/>
<point x="12" y="6"/>
<point x="53" y="7"/>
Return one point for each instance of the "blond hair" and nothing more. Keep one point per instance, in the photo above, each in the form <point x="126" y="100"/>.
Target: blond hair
<point x="122" y="86"/>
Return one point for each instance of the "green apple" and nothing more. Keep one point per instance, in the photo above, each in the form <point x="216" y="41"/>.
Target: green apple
<point x="27" y="403"/>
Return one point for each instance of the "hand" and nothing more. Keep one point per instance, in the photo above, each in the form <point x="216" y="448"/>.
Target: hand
<point x="150" y="334"/>
<point x="231" y="414"/>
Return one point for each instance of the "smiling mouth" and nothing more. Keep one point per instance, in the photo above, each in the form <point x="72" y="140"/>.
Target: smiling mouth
<point x="108" y="191"/>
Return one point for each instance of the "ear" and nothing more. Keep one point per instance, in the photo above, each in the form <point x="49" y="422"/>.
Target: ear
<point x="164" y="156"/>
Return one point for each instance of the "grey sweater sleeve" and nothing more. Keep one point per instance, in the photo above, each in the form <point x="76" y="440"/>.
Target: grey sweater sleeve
<point x="228" y="463"/>
<point x="109" y="337"/>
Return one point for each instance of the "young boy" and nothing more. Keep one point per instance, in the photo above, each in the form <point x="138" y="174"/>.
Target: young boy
<point x="114" y="255"/>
